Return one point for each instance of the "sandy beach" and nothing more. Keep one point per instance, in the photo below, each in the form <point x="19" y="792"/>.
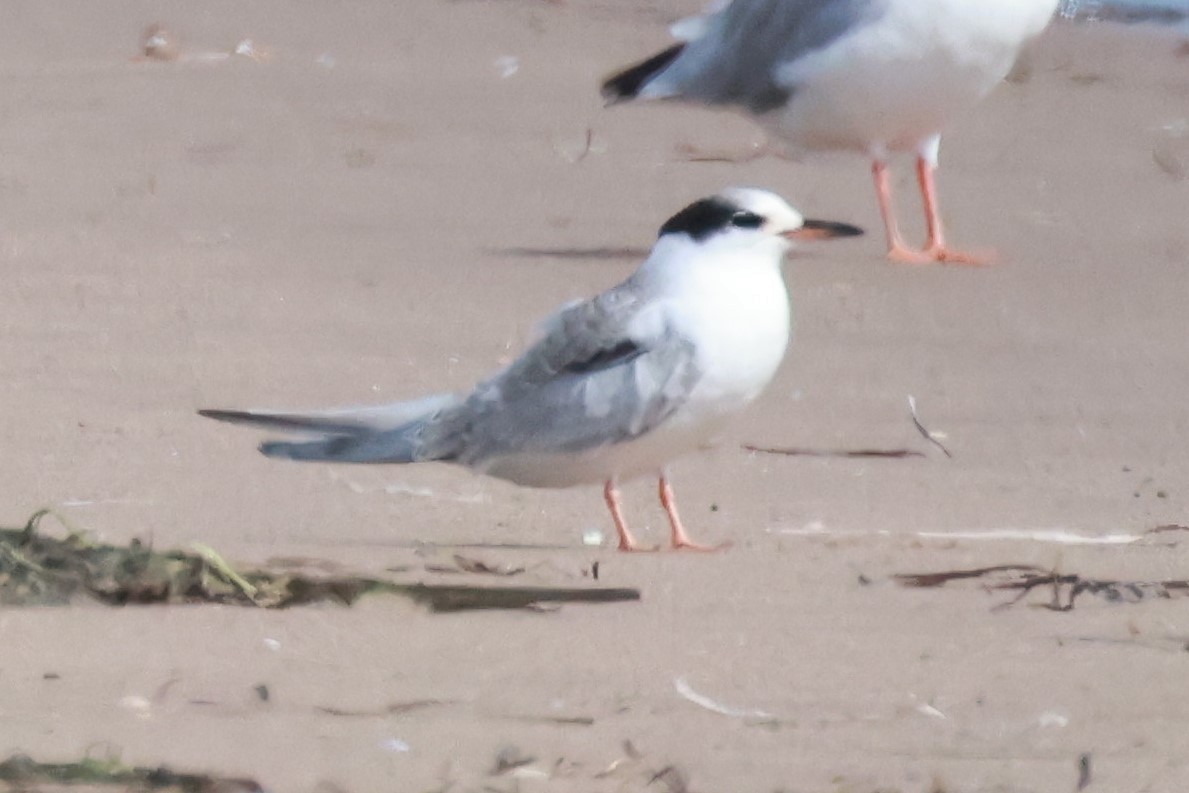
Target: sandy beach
<point x="382" y="205"/>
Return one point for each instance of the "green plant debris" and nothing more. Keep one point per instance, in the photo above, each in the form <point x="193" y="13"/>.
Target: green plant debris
<point x="22" y="773"/>
<point x="39" y="569"/>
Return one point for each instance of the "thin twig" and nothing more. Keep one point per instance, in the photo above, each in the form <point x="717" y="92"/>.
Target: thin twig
<point x="912" y="409"/>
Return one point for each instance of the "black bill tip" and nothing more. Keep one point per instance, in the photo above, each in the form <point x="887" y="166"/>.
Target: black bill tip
<point x="824" y="230"/>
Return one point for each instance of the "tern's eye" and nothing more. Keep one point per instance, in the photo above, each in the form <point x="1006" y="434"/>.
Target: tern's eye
<point x="746" y="220"/>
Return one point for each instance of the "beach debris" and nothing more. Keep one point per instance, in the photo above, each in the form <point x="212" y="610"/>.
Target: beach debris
<point x="38" y="569"/>
<point x="925" y="709"/>
<point x="137" y="705"/>
<point x="861" y="453"/>
<point x="1083" y="771"/>
<point x="1166" y="528"/>
<point x="565" y="721"/>
<point x="801" y="451"/>
<point x="932" y="437"/>
<point x="537" y="598"/>
<point x="507" y="65"/>
<point x="158" y="43"/>
<point x="395" y="745"/>
<point x="1054" y="536"/>
<point x="1066" y="587"/>
<point x="574" y="150"/>
<point x="469" y="565"/>
<point x="631" y="757"/>
<point x="391" y="709"/>
<point x="23" y="773"/>
<point x="701" y="700"/>
<point x="466" y="564"/>
<point x="1051" y="718"/>
<point x="252" y="50"/>
<point x="508" y="758"/>
<point x="672" y="778"/>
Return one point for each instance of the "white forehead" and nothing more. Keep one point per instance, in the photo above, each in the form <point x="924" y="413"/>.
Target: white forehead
<point x="765" y="204"/>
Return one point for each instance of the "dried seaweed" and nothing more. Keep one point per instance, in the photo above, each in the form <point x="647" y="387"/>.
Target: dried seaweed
<point x="801" y="451"/>
<point x="391" y="709"/>
<point x="22" y="773"/>
<point x="39" y="569"/>
<point x="1066" y="587"/>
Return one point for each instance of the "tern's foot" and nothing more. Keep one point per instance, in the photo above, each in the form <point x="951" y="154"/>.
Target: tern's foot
<point x="631" y="546"/>
<point x="941" y="253"/>
<point x="687" y="544"/>
<point x="937" y="254"/>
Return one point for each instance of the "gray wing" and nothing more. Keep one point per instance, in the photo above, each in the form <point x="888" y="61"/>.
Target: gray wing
<point x="595" y="378"/>
<point x="735" y="59"/>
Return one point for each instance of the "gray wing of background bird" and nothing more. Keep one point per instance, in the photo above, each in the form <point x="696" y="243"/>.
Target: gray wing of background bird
<point x="589" y="381"/>
<point x="734" y="60"/>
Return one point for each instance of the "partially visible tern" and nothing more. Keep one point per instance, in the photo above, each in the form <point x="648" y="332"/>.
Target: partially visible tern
<point x="617" y="385"/>
<point x="873" y="76"/>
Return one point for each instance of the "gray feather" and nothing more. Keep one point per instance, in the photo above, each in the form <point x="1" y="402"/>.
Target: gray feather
<point x="736" y="60"/>
<point x="589" y="381"/>
<point x="369" y="434"/>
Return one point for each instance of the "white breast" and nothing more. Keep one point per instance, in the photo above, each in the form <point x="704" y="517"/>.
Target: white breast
<point x="739" y="321"/>
<point x="736" y="313"/>
<point x="896" y="82"/>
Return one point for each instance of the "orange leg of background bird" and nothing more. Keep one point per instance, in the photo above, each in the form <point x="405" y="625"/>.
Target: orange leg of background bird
<point x="626" y="541"/>
<point x="935" y="248"/>
<point x="679" y="537"/>
<point x="898" y="251"/>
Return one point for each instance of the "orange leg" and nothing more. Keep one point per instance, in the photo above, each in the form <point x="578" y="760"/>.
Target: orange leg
<point x="679" y="537"/>
<point x="935" y="248"/>
<point x="898" y="250"/>
<point x="626" y="541"/>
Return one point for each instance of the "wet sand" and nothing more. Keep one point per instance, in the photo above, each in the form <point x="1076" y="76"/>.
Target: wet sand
<point x="384" y="208"/>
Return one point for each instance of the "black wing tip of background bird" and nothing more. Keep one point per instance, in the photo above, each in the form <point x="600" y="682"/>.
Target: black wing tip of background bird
<point x="627" y="84"/>
<point x="224" y="415"/>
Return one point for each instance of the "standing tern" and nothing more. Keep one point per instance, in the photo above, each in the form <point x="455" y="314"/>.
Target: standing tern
<point x="617" y="385"/>
<point x="873" y="76"/>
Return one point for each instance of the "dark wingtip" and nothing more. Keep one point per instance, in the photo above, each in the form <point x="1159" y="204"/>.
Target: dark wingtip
<point x="626" y="84"/>
<point x="222" y="415"/>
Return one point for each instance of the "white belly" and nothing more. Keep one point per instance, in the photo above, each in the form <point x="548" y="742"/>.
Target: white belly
<point x="898" y="81"/>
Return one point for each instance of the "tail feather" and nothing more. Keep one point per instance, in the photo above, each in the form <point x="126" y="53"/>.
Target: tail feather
<point x="627" y="83"/>
<point x="394" y="446"/>
<point x="380" y="434"/>
<point x="294" y="422"/>
<point x="339" y="421"/>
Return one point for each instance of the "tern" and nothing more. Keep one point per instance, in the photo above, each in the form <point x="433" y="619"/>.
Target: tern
<point x="617" y="385"/>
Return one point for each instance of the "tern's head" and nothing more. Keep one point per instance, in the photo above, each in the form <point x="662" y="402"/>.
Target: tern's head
<point x="744" y="218"/>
